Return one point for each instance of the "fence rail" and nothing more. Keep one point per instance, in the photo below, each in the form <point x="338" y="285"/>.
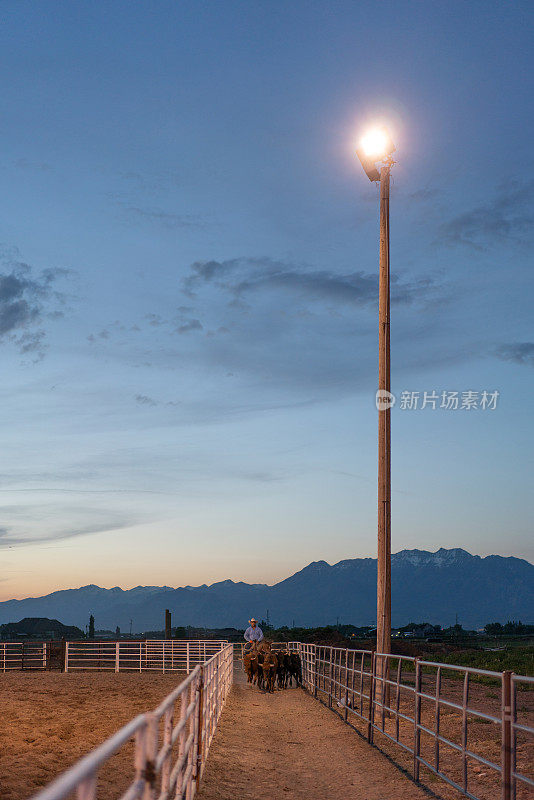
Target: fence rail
<point x="171" y="743"/>
<point x="158" y="656"/>
<point x="425" y="708"/>
<point x="23" y="655"/>
<point x="171" y="655"/>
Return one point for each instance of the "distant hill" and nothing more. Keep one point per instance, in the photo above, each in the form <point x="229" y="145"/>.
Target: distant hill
<point x="39" y="628"/>
<point x="430" y="586"/>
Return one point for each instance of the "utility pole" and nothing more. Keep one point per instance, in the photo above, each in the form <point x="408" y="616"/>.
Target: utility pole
<point x="383" y="617"/>
<point x="376" y="147"/>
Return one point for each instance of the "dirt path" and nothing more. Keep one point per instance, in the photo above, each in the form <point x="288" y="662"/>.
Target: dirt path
<point x="287" y="744"/>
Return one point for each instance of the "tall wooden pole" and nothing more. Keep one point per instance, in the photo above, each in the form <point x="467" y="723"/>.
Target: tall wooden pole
<point x="383" y="611"/>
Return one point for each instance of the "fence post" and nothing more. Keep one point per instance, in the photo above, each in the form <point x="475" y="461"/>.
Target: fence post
<point x="316" y="674"/>
<point x="330" y="673"/>
<point x="371" y="699"/>
<point x="218" y="691"/>
<point x="150" y="759"/>
<point x="44" y="655"/>
<point x="140" y="754"/>
<point x="346" y="683"/>
<point x="417" y="720"/>
<point x="506" y="735"/>
<point x="187" y="657"/>
<point x="66" y="656"/>
<point x="168" y="724"/>
<point x="117" y="656"/>
<point x="200" y="727"/>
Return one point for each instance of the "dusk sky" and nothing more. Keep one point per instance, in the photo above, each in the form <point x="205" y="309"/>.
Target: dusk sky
<point x="189" y="282"/>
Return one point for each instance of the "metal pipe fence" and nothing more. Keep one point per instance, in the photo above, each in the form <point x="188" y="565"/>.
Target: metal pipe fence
<point x="431" y="712"/>
<point x="520" y="731"/>
<point x="23" y="655"/>
<point x="171" y="743"/>
<point x="171" y="655"/>
<point x="239" y="648"/>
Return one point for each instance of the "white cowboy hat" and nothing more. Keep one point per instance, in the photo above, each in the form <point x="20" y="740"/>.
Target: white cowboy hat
<point x="252" y="619"/>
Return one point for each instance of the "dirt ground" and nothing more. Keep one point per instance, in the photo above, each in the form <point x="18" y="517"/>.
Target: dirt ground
<point x="483" y="736"/>
<point x="49" y="720"/>
<point x="265" y="745"/>
<point x="287" y="744"/>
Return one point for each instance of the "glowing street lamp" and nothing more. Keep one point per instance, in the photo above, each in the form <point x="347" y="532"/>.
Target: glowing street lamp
<point x="375" y="153"/>
<point x="375" y="146"/>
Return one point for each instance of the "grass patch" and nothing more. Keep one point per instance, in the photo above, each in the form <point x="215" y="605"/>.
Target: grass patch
<point x="518" y="659"/>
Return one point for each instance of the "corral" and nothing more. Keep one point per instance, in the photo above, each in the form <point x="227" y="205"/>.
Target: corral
<point x="451" y="728"/>
<point x="50" y="720"/>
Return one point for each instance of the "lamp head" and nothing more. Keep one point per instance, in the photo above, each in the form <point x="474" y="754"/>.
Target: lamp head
<point x="376" y="145"/>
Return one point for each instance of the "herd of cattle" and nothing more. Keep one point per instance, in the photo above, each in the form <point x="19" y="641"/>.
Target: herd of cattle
<point x="269" y="668"/>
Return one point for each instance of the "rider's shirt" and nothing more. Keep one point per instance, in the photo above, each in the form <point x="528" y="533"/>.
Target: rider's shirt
<point x="253" y="634"/>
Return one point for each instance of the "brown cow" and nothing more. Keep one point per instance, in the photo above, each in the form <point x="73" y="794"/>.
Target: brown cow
<point x="295" y="669"/>
<point x="262" y="648"/>
<point x="283" y="668"/>
<point x="250" y="664"/>
<point x="261" y="656"/>
<point x="269" y="667"/>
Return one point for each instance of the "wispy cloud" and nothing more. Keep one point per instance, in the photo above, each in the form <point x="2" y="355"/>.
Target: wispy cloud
<point x="8" y="538"/>
<point x="166" y="219"/>
<point x="284" y="325"/>
<point x="509" y="216"/>
<point x="32" y="166"/>
<point x="190" y="325"/>
<point x="154" y="319"/>
<point x="145" y="400"/>
<point x="518" y="352"/>
<point x="422" y="195"/>
<point x="242" y="276"/>
<point x="27" y="300"/>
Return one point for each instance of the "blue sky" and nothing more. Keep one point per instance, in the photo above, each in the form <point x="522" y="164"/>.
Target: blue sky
<point x="188" y="285"/>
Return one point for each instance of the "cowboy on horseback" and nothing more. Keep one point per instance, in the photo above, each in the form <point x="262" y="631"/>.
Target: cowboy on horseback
<point x="253" y="634"/>
<point x="254" y="653"/>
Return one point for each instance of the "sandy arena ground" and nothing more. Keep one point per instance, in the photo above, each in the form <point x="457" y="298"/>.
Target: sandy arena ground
<point x="49" y="720"/>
